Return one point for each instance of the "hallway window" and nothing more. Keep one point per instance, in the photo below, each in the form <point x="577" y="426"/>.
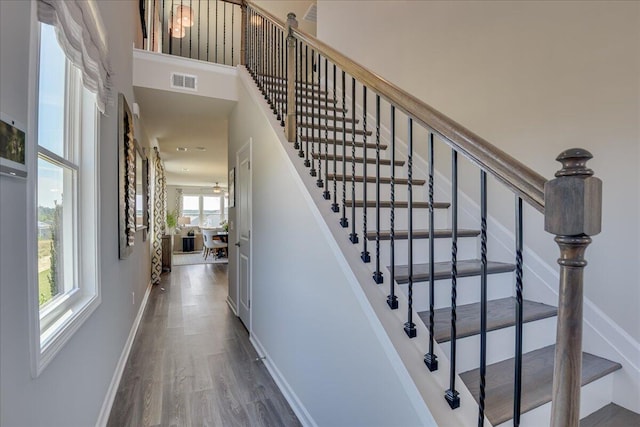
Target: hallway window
<point x="66" y="278"/>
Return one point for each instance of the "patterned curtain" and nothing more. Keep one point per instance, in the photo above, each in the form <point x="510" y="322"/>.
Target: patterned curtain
<point x="159" y="205"/>
<point x="179" y="206"/>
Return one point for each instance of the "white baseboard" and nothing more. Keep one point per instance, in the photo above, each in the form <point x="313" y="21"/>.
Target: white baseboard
<point x="298" y="408"/>
<point x="232" y="306"/>
<point x="105" y="411"/>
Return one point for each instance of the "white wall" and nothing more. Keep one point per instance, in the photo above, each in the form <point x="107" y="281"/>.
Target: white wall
<point x="72" y="388"/>
<point x="305" y="313"/>
<point x="534" y="78"/>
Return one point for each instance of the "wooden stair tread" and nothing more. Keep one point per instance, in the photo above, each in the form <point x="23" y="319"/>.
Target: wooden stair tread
<point x="331" y="117"/>
<point x="501" y="313"/>
<point x="611" y="415"/>
<point x="422" y="234"/>
<point x="332" y="128"/>
<point x="383" y="180"/>
<point x="301" y="106"/>
<point x="387" y="204"/>
<point x="356" y="159"/>
<point x="442" y="270"/>
<point x="537" y="381"/>
<point x="338" y="143"/>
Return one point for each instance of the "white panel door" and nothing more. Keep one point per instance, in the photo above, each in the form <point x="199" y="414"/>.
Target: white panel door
<point x="243" y="206"/>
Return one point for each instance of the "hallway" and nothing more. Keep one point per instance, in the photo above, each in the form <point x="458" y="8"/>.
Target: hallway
<point x="192" y="364"/>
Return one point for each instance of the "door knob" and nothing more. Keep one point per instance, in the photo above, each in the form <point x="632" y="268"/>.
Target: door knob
<point x="237" y="244"/>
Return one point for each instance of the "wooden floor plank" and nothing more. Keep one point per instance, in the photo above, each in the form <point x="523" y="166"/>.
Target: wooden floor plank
<point x="612" y="415"/>
<point x="191" y="363"/>
<point x="501" y="313"/>
<point x="537" y="381"/>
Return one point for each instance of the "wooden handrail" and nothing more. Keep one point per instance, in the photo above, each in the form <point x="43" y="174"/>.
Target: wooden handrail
<point x="521" y="179"/>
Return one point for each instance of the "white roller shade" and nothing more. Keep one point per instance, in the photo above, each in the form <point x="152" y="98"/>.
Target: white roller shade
<point x="84" y="41"/>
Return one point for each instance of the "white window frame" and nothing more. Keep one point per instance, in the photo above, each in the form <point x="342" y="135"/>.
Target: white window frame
<point x="55" y="323"/>
<point x="201" y="196"/>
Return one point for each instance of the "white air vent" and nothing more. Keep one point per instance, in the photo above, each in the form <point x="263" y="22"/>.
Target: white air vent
<point x="312" y="13"/>
<point x="184" y="81"/>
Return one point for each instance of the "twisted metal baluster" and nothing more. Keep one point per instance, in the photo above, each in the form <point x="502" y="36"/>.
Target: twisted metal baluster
<point x="304" y="88"/>
<point x="364" y="255"/>
<point x="326" y="195"/>
<point x="517" y="384"/>
<point x="483" y="296"/>
<point x="312" y="172"/>
<point x="430" y="359"/>
<point x="392" y="299"/>
<point x="353" y="236"/>
<point x="343" y="221"/>
<point x="409" y="326"/>
<point x="451" y="395"/>
<point x="377" y="275"/>
<point x="297" y="144"/>
<point x="334" y="206"/>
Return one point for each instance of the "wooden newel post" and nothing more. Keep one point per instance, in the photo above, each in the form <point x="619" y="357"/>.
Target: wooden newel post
<point x="290" y="121"/>
<point x="573" y="211"/>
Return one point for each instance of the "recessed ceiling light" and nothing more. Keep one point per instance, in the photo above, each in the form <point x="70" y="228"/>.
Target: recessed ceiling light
<point x="181" y="149"/>
<point x="185" y="170"/>
<point x="201" y="149"/>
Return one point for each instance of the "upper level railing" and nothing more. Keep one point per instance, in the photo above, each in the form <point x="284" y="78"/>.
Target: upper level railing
<point x="207" y="30"/>
<point x="320" y="96"/>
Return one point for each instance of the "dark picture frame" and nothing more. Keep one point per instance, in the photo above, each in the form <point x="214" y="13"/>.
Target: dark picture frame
<point x="126" y="179"/>
<point x="13" y="147"/>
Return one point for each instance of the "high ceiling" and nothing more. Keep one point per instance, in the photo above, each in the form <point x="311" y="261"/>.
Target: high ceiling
<point x="181" y="120"/>
<point x="192" y="122"/>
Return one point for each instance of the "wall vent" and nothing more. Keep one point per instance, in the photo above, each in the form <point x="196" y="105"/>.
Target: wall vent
<point x="312" y="13"/>
<point x="184" y="81"/>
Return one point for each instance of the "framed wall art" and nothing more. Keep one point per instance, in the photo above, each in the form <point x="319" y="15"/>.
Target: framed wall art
<point x="126" y="179"/>
<point x="12" y="147"/>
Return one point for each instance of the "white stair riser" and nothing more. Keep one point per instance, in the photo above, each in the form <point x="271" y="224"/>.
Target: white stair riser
<point x="467" y="249"/>
<point x="593" y="396"/>
<point x="401" y="220"/>
<point x="501" y="344"/>
<point x="468" y="290"/>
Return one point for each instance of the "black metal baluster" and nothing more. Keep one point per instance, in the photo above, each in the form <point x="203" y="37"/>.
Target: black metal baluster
<point x="170" y="26"/>
<point x="209" y="26"/>
<point x="224" y="32"/>
<point x="300" y="107"/>
<point x="517" y="384"/>
<point x="409" y="326"/>
<point x="304" y="87"/>
<point x="326" y="195"/>
<point x="313" y="114"/>
<point x="392" y="299"/>
<point x="199" y="15"/>
<point x="334" y="205"/>
<point x="344" y="222"/>
<point x="353" y="236"/>
<point x="284" y="55"/>
<point x="233" y="10"/>
<point x="364" y="255"/>
<point x="377" y="275"/>
<point x="451" y="395"/>
<point x="319" y="181"/>
<point x="216" y="38"/>
<point x="430" y="359"/>
<point x="483" y="295"/>
<point x="296" y="144"/>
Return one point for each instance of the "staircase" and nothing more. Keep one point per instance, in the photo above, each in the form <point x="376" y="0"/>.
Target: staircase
<point x="436" y="271"/>
<point x="394" y="172"/>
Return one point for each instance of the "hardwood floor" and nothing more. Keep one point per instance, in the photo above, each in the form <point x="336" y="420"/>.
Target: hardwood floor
<point x="192" y="364"/>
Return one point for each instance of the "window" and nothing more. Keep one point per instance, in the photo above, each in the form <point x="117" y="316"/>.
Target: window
<point x="66" y="283"/>
<point x="205" y="210"/>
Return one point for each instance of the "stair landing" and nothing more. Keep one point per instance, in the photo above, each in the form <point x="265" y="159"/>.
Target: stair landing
<point x="611" y="415"/>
